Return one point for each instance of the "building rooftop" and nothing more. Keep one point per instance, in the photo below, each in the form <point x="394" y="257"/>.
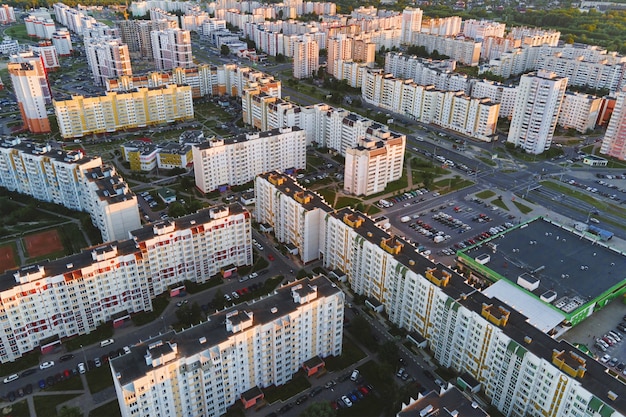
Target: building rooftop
<point x="567" y="262"/>
<point x="50" y="150"/>
<point x="245" y="137"/>
<point x="290" y="187"/>
<point x="214" y="331"/>
<point x="451" y="403"/>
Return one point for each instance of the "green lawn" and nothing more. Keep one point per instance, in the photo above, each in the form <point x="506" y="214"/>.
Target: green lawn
<point x="45" y="406"/>
<point x="19" y="409"/>
<point x="18" y="32"/>
<point x="452" y="184"/>
<point x="523" y="208"/>
<point x="110" y="409"/>
<point x="347" y="201"/>
<point x="99" y="379"/>
<point x="159" y="304"/>
<point x="499" y="203"/>
<point x="485" y="194"/>
<point x="351" y="354"/>
<point x="329" y="195"/>
<point x="72" y="384"/>
<point x="298" y="384"/>
<point x="27" y="361"/>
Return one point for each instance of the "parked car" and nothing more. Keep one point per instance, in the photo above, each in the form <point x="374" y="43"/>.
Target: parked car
<point x="11" y="378"/>
<point x="346" y="401"/>
<point x="107" y="342"/>
<point x="66" y="357"/>
<point x="46" y="365"/>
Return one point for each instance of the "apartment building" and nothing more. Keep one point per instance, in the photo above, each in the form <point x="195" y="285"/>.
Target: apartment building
<point x="39" y="27"/>
<point x="411" y="23"/>
<point x="442" y="26"/>
<point x="306" y="53"/>
<point x="536" y="110"/>
<point x="294" y="214"/>
<point x="62" y="41"/>
<point x="454" y="110"/>
<point x="481" y="29"/>
<point x="7" y="14"/>
<point x="350" y="71"/>
<point x="203" y="370"/>
<point x="339" y="48"/>
<point x="72" y="180"/>
<point x="235" y="161"/>
<point x="171" y="48"/>
<point x="466" y="51"/>
<point x="524" y="371"/>
<point x="377" y="160"/>
<point x="82" y="116"/>
<point x="107" y="58"/>
<point x="614" y="141"/>
<point x="496" y="92"/>
<point x="30" y="84"/>
<point x="73" y="295"/>
<point x="136" y="34"/>
<point x="579" y="111"/>
<point x="146" y="156"/>
<point x="48" y="55"/>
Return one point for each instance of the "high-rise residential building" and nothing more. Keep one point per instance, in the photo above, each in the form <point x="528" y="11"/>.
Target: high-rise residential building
<point x="411" y="23"/>
<point x="62" y="41"/>
<point x="75" y="294"/>
<point x="108" y="58"/>
<point x="38" y="27"/>
<point x="7" y="14"/>
<point x="579" y="111"/>
<point x="237" y="352"/>
<point x="30" y="83"/>
<point x="136" y="34"/>
<point x="235" y="161"/>
<point x="48" y="54"/>
<point x="536" y="111"/>
<point x="339" y="48"/>
<point x="466" y="51"/>
<point x="481" y="29"/>
<point x="294" y="214"/>
<point x="614" y="142"/>
<point x="80" y="116"/>
<point x="73" y="180"/>
<point x="171" y="48"/>
<point x="306" y="53"/>
<point x="377" y="160"/>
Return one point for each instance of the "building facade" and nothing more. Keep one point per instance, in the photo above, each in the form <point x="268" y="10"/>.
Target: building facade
<point x="136" y="33"/>
<point x="536" y="111"/>
<point x="241" y="349"/>
<point x="82" y="116"/>
<point x="30" y="83"/>
<point x="73" y="295"/>
<point x="107" y="58"/>
<point x="235" y="161"/>
<point x="614" y="142"/>
<point x="171" y="48"/>
<point x="306" y="53"/>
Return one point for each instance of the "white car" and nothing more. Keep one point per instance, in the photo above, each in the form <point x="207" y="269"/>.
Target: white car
<point x="227" y="297"/>
<point x="234" y="294"/>
<point x="81" y="368"/>
<point x="347" y="401"/>
<point x="46" y="365"/>
<point x="107" y="342"/>
<point x="11" y="378"/>
<point x="605" y="358"/>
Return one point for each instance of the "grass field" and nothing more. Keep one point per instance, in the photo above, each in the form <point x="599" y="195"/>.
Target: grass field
<point x="485" y="194"/>
<point x="45" y="406"/>
<point x="99" y="379"/>
<point x="298" y="383"/>
<point x="110" y="409"/>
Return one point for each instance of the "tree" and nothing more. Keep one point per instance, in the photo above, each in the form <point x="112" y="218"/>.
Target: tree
<point x="280" y="58"/>
<point x="427" y="178"/>
<point x="322" y="409"/>
<point x="176" y="210"/>
<point x="388" y="352"/>
<point x="362" y="331"/>
<point x="225" y="50"/>
<point x="66" y="411"/>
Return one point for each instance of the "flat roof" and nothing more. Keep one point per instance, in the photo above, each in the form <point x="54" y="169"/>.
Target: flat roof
<point x="565" y="261"/>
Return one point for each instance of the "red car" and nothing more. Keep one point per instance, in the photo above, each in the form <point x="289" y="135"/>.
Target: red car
<point x="270" y="257"/>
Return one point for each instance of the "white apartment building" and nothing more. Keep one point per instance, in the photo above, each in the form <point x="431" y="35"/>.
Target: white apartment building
<point x="48" y="55"/>
<point x="38" y="27"/>
<point x="535" y="36"/>
<point x="498" y="93"/>
<point x="441" y="26"/>
<point x="72" y="180"/>
<point x="306" y="53"/>
<point x="411" y="23"/>
<point x="414" y="67"/>
<point x="73" y="295"/>
<point x="339" y="48"/>
<point x="466" y="51"/>
<point x="524" y="372"/>
<point x="579" y="111"/>
<point x="474" y="117"/>
<point x="82" y="116"/>
<point x="536" y="111"/>
<point x="294" y="214"/>
<point x="62" y="41"/>
<point x="7" y="14"/>
<point x="171" y="48"/>
<point x="30" y="84"/>
<point x="614" y="141"/>
<point x="377" y="160"/>
<point x="108" y="58"/>
<point x="481" y="29"/>
<point x="136" y="34"/>
<point x="235" y="161"/>
<point x="204" y="370"/>
<point x="350" y="71"/>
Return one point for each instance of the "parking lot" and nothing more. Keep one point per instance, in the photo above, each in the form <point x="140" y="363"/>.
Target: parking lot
<point x="440" y="230"/>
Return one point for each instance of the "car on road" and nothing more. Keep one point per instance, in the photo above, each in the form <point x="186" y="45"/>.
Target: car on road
<point x="11" y="378"/>
<point x="270" y="257"/>
<point x="346" y="401"/>
<point x="234" y="294"/>
<point x="28" y="372"/>
<point x="302" y="399"/>
<point x="107" y="342"/>
<point x="46" y="365"/>
<point x="81" y="368"/>
<point x="227" y="297"/>
<point x="181" y="303"/>
<point x="330" y="384"/>
<point x="315" y="391"/>
<point x="97" y="362"/>
<point x="67" y="357"/>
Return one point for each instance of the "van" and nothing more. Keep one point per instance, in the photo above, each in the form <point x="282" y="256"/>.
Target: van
<point x="107" y="342"/>
<point x="355" y="375"/>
